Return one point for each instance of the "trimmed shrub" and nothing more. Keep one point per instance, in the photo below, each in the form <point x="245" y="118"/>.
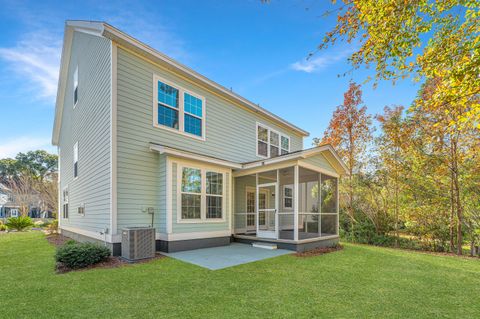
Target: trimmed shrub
<point x="19" y="223"/>
<point x="2" y="227"/>
<point x="80" y="255"/>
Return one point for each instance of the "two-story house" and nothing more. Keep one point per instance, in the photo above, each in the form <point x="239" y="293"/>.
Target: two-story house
<point x="146" y="141"/>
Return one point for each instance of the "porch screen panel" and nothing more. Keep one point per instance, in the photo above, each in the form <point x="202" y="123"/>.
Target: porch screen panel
<point x="244" y="204"/>
<point x="286" y="204"/>
<point x="309" y="220"/>
<point x="329" y="215"/>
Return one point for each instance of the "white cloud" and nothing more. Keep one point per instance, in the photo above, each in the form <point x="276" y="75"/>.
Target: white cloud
<point x="36" y="58"/>
<point x="24" y="144"/>
<point x="318" y="63"/>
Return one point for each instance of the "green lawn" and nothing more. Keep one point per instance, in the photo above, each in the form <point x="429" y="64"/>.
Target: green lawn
<point x="358" y="282"/>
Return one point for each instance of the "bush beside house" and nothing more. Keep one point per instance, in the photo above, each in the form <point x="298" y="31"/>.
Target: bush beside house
<point x="75" y="255"/>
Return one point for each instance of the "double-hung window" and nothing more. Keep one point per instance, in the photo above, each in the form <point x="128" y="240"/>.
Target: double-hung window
<point x="202" y="194"/>
<point x="271" y="143"/>
<point x="65" y="203"/>
<point x="75" y="160"/>
<point x="75" y="87"/>
<point x="178" y="109"/>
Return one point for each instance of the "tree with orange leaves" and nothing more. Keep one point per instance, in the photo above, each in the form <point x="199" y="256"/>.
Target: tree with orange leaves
<point x="349" y="132"/>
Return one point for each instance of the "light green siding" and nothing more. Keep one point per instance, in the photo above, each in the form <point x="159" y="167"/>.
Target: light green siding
<point x="230" y="130"/>
<point x="230" y="135"/>
<point x="320" y="161"/>
<point x="89" y="125"/>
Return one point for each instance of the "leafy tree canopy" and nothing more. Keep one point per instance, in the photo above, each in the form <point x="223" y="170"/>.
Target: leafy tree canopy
<point x="424" y="39"/>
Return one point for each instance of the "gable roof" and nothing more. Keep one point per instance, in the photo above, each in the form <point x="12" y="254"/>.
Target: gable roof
<point x="105" y="30"/>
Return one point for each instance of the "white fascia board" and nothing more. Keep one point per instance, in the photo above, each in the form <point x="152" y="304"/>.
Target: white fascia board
<point x="192" y="156"/>
<point x="299" y="155"/>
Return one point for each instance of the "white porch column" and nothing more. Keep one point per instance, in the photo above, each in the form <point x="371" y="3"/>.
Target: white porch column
<point x="257" y="215"/>
<point x="338" y="207"/>
<point x="295" y="202"/>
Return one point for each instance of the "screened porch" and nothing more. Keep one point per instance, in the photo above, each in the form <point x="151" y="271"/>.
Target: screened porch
<point x="291" y="204"/>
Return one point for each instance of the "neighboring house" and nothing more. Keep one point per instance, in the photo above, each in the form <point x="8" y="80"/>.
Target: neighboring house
<point x="145" y="141"/>
<point x="9" y="207"/>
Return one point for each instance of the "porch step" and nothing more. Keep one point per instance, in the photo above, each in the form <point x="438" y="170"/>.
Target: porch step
<point x="264" y="245"/>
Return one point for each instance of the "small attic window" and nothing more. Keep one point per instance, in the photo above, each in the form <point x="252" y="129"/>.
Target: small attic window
<point x="75" y="87"/>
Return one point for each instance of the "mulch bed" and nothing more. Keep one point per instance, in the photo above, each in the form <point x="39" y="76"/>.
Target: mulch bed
<point x="112" y="261"/>
<point x="319" y="251"/>
<point x="57" y="239"/>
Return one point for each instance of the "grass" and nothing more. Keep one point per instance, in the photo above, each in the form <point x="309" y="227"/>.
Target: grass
<point x="357" y="282"/>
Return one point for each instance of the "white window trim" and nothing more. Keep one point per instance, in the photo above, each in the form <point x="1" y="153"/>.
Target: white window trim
<point x="65" y="202"/>
<point x="203" y="194"/>
<point x="75" y="86"/>
<point x="75" y="160"/>
<point x="283" y="196"/>
<point x="81" y="207"/>
<point x="280" y="135"/>
<point x="181" y="109"/>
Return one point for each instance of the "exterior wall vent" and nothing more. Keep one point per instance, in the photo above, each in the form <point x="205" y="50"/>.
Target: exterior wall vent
<point x="138" y="243"/>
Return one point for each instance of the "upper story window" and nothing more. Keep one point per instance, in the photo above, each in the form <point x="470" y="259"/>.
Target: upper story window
<point x="75" y="87"/>
<point x="271" y="143"/>
<point x="178" y="110"/>
<point x="75" y="160"/>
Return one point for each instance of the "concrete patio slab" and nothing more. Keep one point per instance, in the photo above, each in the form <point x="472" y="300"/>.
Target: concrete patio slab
<point x="226" y="256"/>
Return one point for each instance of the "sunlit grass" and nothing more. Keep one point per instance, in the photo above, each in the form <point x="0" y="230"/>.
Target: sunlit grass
<point x="360" y="281"/>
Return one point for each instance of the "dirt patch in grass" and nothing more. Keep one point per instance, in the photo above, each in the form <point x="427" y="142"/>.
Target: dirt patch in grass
<point x="319" y="251"/>
<point x="57" y="239"/>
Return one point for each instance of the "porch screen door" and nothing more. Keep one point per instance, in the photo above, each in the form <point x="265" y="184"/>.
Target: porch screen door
<point x="267" y="208"/>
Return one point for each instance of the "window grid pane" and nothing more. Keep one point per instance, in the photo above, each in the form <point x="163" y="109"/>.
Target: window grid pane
<point x="214" y="183"/>
<point x="191" y="180"/>
<point x="274" y="138"/>
<point x="262" y="134"/>
<point x="167" y="116"/>
<point x="167" y="95"/>
<point x="273" y="151"/>
<point x="193" y="105"/>
<point x="193" y="125"/>
<point x="285" y="144"/>
<point x="262" y="148"/>
<point x="250" y="202"/>
<point x="214" y="207"/>
<point x="191" y="206"/>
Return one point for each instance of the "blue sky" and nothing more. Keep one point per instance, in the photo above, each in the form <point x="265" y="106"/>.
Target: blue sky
<point x="257" y="50"/>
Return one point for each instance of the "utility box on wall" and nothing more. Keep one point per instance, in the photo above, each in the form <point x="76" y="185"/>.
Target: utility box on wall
<point x="138" y="243"/>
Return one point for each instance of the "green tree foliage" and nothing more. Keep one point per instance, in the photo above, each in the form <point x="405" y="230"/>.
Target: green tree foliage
<point x="29" y="176"/>
<point x="421" y="39"/>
